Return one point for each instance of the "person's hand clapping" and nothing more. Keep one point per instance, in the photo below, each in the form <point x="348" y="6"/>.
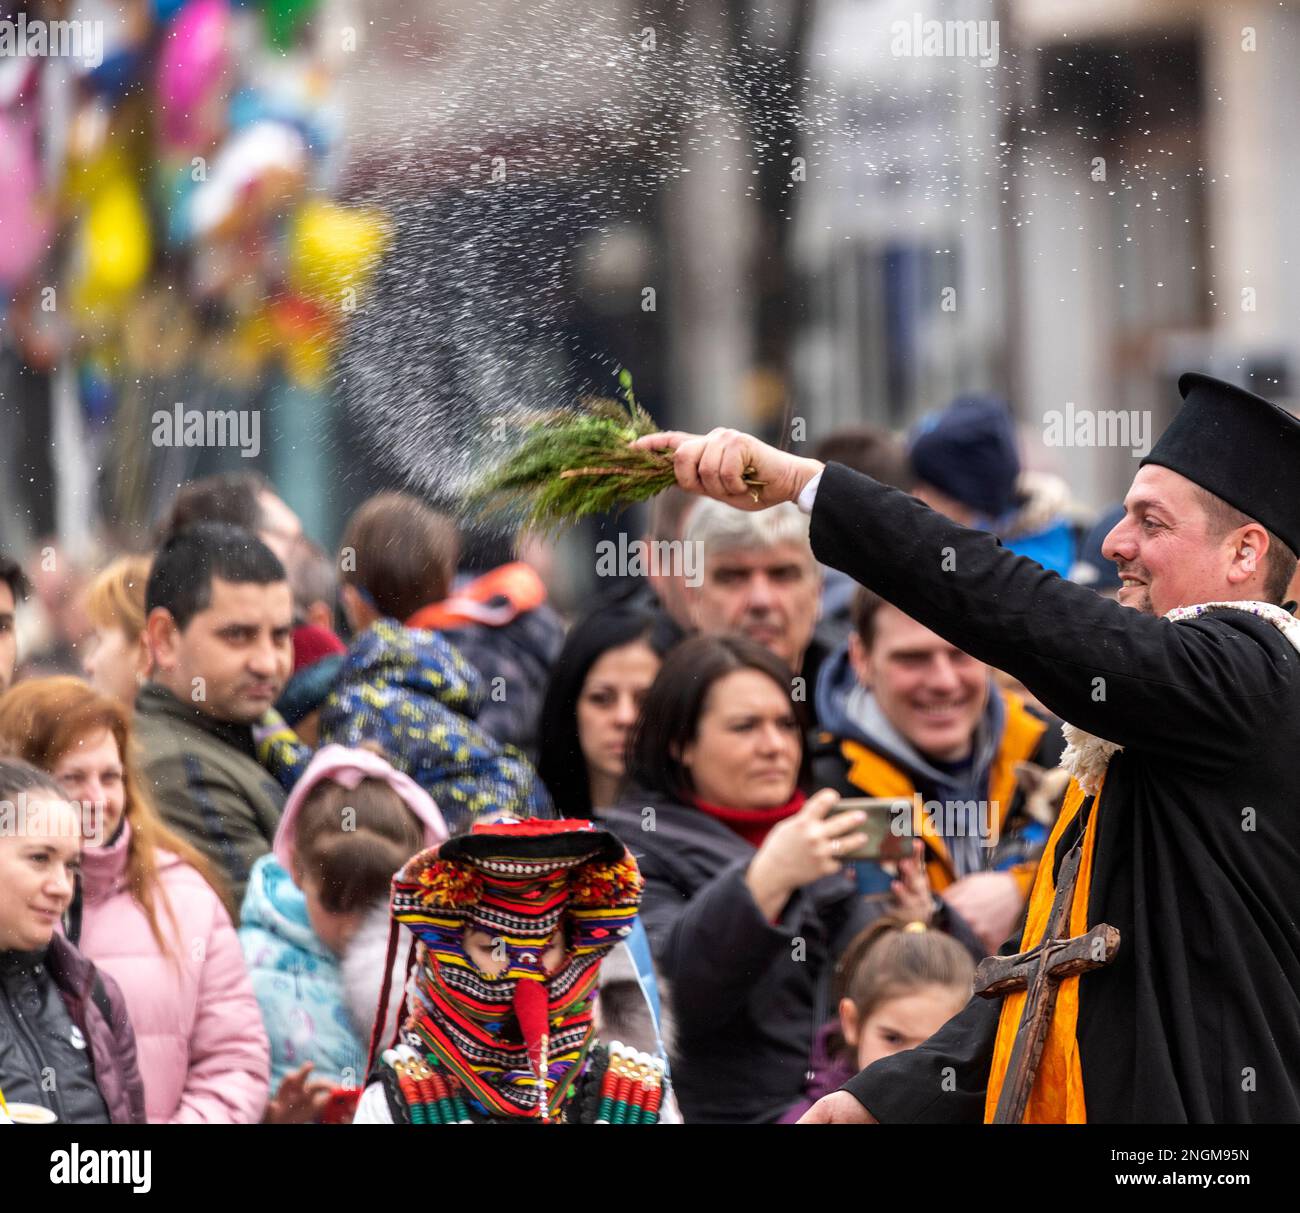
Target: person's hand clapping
<point x="714" y="465"/>
<point x="801" y="849"/>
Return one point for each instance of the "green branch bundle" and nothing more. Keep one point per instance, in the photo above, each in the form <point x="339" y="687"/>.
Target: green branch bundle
<point x="578" y="462"/>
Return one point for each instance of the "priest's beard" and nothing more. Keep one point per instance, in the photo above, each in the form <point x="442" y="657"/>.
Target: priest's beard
<point x="1143" y="601"/>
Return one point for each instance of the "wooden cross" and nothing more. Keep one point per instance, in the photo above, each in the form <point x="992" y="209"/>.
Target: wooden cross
<point x="1039" y="972"/>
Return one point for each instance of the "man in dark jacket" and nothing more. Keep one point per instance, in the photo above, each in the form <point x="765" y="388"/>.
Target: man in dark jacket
<point x="60" y="1018"/>
<point x="1182" y="807"/>
<point x="220" y="616"/>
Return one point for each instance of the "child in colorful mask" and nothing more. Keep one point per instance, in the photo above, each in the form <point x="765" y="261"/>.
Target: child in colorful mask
<point x="512" y="922"/>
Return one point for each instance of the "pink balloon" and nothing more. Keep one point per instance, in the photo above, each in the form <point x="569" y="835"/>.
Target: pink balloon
<point x="190" y="67"/>
<point x="24" y="225"/>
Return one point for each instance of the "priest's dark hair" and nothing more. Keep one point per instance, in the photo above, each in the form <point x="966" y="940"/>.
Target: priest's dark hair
<point x="670" y="715"/>
<point x="560" y="763"/>
<point x="1280" y="561"/>
<point x="182" y="572"/>
<point x="862" y="614"/>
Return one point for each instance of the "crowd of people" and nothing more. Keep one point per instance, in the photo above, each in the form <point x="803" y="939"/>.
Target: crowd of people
<point x="267" y="774"/>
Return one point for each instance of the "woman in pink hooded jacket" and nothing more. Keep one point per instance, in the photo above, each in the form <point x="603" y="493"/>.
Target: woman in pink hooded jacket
<point x="150" y="914"/>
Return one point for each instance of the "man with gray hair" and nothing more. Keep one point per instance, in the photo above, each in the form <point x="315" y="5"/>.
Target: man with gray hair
<point x="758" y="577"/>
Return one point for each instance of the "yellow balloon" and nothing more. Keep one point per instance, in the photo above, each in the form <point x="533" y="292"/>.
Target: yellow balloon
<point x="334" y="250"/>
<point x="115" y="244"/>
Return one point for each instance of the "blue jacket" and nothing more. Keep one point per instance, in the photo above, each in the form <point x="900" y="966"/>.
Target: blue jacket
<point x="412" y="693"/>
<point x="298" y="982"/>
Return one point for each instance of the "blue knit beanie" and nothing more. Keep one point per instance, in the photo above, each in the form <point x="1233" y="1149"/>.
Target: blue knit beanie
<point x="969" y="452"/>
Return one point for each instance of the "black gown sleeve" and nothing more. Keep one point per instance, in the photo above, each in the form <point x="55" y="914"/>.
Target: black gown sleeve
<point x="1126" y="676"/>
<point x="942" y="1081"/>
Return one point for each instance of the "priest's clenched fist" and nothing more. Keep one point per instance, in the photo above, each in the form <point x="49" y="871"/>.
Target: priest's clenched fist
<point x="733" y="467"/>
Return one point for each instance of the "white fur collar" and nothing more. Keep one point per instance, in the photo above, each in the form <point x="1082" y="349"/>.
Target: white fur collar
<point x="1086" y="757"/>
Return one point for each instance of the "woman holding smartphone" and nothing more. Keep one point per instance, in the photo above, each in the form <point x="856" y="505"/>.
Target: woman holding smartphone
<point x="748" y="901"/>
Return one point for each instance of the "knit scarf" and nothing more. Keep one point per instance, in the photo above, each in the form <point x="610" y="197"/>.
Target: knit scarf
<point x="469" y="1020"/>
<point x="753" y="825"/>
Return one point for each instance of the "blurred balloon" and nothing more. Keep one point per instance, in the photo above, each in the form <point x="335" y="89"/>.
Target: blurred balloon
<point x="95" y="387"/>
<point x="191" y="72"/>
<point x="94" y="157"/>
<point x="333" y="249"/>
<point x="259" y="167"/>
<point x="304" y="333"/>
<point x="24" y="223"/>
<point x="113" y="246"/>
<point x="18" y="79"/>
<point x="174" y="189"/>
<point x="293" y="90"/>
<point x="284" y="20"/>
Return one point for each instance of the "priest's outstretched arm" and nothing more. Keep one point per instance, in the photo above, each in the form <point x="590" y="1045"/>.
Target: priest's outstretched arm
<point x="1126" y="676"/>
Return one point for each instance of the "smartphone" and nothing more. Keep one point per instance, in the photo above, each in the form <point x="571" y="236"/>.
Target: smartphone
<point x="888" y="827"/>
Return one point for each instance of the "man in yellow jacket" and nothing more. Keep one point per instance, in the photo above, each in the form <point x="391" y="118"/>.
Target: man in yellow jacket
<point x="905" y="713"/>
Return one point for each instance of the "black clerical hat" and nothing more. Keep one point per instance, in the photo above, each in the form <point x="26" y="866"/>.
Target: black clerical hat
<point x="1241" y="448"/>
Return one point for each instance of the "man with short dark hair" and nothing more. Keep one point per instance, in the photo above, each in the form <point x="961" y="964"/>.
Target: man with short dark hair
<point x="219" y="620"/>
<point x="13" y="590"/>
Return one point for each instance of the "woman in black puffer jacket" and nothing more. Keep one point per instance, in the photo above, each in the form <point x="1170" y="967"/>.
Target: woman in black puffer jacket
<point x="59" y="1015"/>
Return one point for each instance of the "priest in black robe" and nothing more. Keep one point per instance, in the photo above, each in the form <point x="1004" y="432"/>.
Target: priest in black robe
<point x="1190" y="718"/>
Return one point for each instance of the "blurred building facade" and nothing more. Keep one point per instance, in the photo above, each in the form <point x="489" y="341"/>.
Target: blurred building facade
<point x="1110" y="203"/>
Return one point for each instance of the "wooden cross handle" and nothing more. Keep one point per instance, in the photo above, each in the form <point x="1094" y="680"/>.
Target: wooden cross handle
<point x="1091" y="951"/>
<point x="998" y="975"/>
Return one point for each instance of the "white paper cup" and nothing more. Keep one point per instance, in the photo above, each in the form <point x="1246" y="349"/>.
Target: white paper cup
<point x="31" y="1114"/>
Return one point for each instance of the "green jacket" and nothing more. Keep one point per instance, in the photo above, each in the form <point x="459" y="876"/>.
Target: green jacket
<point x="206" y="782"/>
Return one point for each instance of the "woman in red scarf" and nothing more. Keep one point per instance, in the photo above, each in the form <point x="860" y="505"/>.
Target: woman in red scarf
<point x="746" y="901"/>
